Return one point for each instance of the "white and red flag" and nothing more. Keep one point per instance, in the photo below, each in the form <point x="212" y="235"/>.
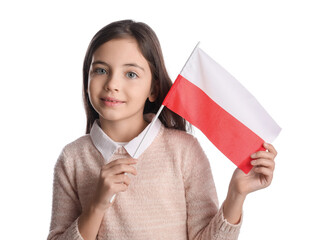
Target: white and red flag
<point x="208" y="97"/>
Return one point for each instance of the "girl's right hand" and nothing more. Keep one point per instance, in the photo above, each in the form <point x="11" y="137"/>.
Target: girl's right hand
<point x="113" y="180"/>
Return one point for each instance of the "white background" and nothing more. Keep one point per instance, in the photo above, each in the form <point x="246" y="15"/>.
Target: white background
<point x="272" y="47"/>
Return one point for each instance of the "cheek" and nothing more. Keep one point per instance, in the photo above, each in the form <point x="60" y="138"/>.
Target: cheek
<point x="92" y="91"/>
<point x="140" y="92"/>
<point x="93" y="86"/>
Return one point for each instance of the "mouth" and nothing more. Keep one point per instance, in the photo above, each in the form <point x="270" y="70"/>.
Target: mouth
<point x="111" y="101"/>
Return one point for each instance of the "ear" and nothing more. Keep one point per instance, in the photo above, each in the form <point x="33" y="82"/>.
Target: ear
<point x="153" y="94"/>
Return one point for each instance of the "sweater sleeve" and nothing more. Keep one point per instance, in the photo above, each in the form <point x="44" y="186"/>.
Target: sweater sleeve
<point x="204" y="218"/>
<point x="66" y="206"/>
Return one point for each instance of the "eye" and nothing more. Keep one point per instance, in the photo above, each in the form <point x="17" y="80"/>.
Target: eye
<point x="131" y="75"/>
<point x="100" y="71"/>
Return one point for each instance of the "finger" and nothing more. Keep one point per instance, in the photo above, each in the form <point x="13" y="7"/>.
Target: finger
<point x="263" y="154"/>
<point x="122" y="187"/>
<point x="270" y="148"/>
<point x="266" y="172"/>
<point x="128" y="161"/>
<point x="121" y="178"/>
<point x="119" y="188"/>
<point x="122" y="168"/>
<point x="262" y="162"/>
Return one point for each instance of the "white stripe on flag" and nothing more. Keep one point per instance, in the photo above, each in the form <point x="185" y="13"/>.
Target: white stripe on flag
<point x="227" y="92"/>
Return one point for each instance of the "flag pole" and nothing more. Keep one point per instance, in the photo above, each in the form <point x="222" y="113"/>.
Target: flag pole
<point x="190" y="56"/>
<point x="149" y="127"/>
<point x="155" y="118"/>
<point x="160" y="109"/>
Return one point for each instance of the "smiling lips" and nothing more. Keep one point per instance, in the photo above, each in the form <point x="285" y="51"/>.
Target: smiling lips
<point x="110" y="102"/>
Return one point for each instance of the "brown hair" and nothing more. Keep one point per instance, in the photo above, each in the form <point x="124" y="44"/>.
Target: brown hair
<point x="150" y="48"/>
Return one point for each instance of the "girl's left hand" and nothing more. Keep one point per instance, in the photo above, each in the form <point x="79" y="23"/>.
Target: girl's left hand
<point x="260" y="175"/>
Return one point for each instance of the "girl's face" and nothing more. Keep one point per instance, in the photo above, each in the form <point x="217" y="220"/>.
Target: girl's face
<point x="119" y="81"/>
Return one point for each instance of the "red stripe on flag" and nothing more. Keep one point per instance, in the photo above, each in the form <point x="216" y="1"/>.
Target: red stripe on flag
<point x="236" y="141"/>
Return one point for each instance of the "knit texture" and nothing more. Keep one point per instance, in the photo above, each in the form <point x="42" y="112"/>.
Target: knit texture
<point x="173" y="195"/>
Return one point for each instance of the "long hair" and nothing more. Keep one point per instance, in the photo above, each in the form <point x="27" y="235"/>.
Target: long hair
<point x="150" y="48"/>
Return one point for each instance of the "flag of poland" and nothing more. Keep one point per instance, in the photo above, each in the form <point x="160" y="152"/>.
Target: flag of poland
<point x="208" y="97"/>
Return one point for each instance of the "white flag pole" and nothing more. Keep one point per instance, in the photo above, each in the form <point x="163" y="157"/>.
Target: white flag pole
<point x="190" y="56"/>
<point x="149" y="127"/>
<point x="154" y="119"/>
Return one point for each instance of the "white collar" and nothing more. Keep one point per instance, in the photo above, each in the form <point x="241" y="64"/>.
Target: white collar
<point x="106" y="146"/>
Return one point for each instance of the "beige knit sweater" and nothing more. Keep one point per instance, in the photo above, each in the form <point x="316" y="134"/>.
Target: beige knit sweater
<point x="172" y="197"/>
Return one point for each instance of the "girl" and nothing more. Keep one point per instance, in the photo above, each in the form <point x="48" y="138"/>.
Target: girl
<point x="167" y="191"/>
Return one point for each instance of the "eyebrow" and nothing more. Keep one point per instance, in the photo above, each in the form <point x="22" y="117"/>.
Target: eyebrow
<point x="126" y="65"/>
<point x="133" y="65"/>
<point x="100" y="62"/>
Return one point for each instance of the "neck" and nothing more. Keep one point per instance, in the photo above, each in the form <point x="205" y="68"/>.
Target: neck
<point x="123" y="130"/>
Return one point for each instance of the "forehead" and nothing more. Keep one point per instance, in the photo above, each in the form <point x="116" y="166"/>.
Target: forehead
<point x="120" y="51"/>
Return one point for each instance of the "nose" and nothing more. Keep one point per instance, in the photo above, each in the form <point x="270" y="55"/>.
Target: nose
<point x="112" y="84"/>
